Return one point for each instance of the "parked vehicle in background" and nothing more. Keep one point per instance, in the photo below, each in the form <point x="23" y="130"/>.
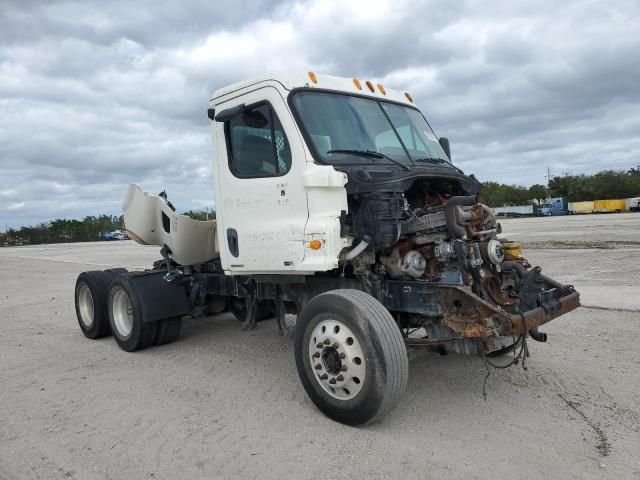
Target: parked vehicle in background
<point x="579" y="208"/>
<point x="609" y="206"/>
<point x="515" y="211"/>
<point x="115" y="235"/>
<point x="554" y="206"/>
<point x="633" y="204"/>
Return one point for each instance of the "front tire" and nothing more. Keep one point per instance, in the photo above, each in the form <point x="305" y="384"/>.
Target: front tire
<point x="129" y="331"/>
<point x="350" y="355"/>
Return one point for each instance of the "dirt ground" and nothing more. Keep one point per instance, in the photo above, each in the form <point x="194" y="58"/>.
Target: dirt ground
<point x="221" y="403"/>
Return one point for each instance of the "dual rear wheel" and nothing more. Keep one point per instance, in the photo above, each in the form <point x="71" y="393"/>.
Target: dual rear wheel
<point x="106" y="304"/>
<point x="92" y="289"/>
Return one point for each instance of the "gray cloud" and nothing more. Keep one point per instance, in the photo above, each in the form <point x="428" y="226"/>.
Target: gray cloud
<point x="95" y="94"/>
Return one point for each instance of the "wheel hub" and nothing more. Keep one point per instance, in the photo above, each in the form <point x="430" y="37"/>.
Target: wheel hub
<point x="337" y="359"/>
<point x="85" y="305"/>
<point x="331" y="360"/>
<point x="122" y="312"/>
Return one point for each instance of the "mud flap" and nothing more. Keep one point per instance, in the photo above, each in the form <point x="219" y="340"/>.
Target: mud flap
<point x="157" y="298"/>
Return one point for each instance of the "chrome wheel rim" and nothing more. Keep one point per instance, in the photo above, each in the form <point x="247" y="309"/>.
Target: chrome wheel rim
<point x="337" y="359"/>
<point x="85" y="305"/>
<point x="122" y="312"/>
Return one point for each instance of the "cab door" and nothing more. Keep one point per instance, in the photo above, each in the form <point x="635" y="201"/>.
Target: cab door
<point x="261" y="201"/>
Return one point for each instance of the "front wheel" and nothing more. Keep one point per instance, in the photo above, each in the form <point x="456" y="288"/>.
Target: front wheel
<point x="350" y="356"/>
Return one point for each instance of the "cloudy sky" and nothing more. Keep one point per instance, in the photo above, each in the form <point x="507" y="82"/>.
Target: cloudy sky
<point x="96" y="94"/>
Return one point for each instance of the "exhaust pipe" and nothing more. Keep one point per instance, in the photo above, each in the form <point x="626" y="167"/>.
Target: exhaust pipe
<point x="454" y="229"/>
<point x="538" y="336"/>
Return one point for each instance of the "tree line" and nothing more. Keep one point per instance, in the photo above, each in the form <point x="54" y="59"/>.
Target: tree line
<point x="63" y="230"/>
<point x="86" y="230"/>
<point x="604" y="185"/>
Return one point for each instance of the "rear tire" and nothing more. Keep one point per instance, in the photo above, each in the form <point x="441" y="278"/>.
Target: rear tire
<point x="168" y="330"/>
<point x="112" y="273"/>
<point x="92" y="289"/>
<point x="129" y="331"/>
<point x="350" y="355"/>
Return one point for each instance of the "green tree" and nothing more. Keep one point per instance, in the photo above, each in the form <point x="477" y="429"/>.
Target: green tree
<point x="538" y="192"/>
<point x="200" y="215"/>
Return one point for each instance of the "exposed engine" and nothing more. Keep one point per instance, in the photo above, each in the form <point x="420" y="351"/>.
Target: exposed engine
<point x="433" y="235"/>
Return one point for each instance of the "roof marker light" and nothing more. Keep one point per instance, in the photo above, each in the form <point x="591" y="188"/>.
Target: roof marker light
<point x="312" y="76"/>
<point x="409" y="97"/>
<point x="382" y="90"/>
<point x="370" y="85"/>
<point x="357" y="83"/>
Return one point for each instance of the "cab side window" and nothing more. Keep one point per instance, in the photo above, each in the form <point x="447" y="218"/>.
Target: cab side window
<point x="257" y="144"/>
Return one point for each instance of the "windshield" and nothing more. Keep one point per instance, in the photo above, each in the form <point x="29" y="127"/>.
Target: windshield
<point x="350" y="129"/>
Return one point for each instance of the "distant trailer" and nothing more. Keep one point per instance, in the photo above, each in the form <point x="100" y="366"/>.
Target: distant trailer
<point x="578" y="208"/>
<point x="633" y="204"/>
<point x="514" y="211"/>
<point x="609" y="206"/>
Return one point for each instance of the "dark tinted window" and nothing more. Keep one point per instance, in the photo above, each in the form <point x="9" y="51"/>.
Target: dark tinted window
<point x="259" y="147"/>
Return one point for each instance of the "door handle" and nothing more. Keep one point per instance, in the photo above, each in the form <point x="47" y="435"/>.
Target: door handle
<point x="232" y="241"/>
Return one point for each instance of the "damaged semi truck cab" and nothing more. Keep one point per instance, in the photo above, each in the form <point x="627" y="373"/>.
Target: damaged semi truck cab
<point x="335" y="201"/>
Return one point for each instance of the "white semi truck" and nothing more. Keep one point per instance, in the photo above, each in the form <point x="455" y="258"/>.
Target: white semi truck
<point x="335" y="202"/>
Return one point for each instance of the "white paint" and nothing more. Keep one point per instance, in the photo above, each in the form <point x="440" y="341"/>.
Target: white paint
<point x="191" y="241"/>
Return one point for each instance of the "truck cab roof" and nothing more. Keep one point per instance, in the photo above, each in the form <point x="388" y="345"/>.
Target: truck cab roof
<point x="293" y="79"/>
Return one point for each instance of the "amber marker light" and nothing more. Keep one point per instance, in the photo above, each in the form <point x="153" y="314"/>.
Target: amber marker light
<point x="370" y="85"/>
<point x="382" y="90"/>
<point x="315" y="244"/>
<point x="409" y="97"/>
<point x="357" y="83"/>
<point x="312" y="76"/>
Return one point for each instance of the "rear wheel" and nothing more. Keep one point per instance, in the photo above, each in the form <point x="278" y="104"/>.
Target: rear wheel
<point x="91" y="304"/>
<point x="168" y="330"/>
<point x="112" y="273"/>
<point x="350" y="356"/>
<point x="129" y="331"/>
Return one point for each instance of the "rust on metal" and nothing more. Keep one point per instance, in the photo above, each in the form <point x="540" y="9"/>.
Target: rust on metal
<point x="470" y="316"/>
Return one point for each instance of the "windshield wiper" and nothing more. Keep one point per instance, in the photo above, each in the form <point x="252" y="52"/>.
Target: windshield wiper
<point x="370" y="154"/>
<point x="438" y="160"/>
<point x="431" y="159"/>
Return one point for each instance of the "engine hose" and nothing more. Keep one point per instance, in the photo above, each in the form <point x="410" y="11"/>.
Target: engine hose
<point x="358" y="249"/>
<point x="510" y="265"/>
<point x="454" y="229"/>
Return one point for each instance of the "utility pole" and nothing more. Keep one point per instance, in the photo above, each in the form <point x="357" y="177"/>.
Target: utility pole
<point x="548" y="176"/>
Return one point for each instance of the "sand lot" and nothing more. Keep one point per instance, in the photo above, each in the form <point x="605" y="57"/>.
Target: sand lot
<point x="221" y="403"/>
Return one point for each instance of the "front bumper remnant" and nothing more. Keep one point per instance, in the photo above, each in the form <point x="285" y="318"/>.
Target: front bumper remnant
<point x="469" y="316"/>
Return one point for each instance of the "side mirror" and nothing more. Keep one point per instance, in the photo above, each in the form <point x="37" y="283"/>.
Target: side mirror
<point x="444" y="143"/>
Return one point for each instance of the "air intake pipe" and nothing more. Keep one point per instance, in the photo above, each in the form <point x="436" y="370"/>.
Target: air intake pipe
<point x="453" y="204"/>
